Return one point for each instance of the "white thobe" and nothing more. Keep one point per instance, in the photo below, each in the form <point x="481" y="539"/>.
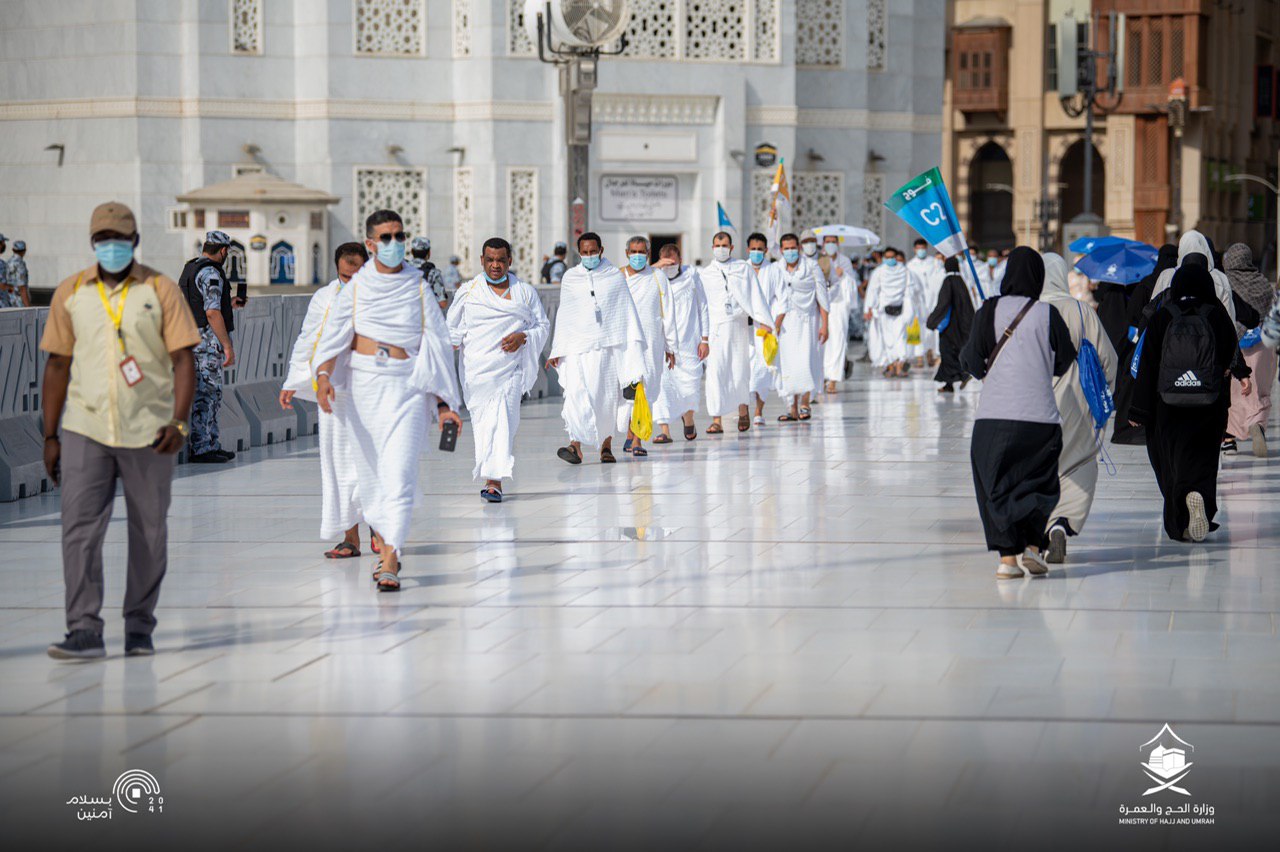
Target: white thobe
<point x="764" y="377"/>
<point x="651" y="294"/>
<point x="803" y="290"/>
<point x="600" y="343"/>
<point x="892" y="286"/>
<point x="926" y="270"/>
<point x="689" y="323"/>
<point x="339" y="503"/>
<point x="391" y="398"/>
<point x="734" y="299"/>
<point x="494" y="381"/>
<point x="842" y="298"/>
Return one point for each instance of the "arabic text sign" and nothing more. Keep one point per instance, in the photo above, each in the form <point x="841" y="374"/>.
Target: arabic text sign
<point x="639" y="198"/>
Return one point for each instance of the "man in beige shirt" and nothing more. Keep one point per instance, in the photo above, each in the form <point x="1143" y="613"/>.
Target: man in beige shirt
<point x="119" y="338"/>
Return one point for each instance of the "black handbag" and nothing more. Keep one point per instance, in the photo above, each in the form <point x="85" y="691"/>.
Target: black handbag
<point x="893" y="310"/>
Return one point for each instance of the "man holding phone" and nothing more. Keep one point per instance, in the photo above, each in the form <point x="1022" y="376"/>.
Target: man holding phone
<point x="120" y="340"/>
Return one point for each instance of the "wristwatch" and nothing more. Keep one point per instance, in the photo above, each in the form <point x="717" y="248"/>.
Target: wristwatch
<point x="181" y="426"/>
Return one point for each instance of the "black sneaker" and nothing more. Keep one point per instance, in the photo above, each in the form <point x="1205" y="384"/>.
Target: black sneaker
<point x="211" y="457"/>
<point x="79" y="645"/>
<point x="138" y="645"/>
<point x="1229" y="447"/>
<point x="226" y="454"/>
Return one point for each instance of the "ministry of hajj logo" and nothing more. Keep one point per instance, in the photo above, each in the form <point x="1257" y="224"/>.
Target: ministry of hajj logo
<point x="1167" y="762"/>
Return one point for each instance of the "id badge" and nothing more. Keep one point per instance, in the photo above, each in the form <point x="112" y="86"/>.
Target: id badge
<point x="728" y="308"/>
<point x="383" y="356"/>
<point x="131" y="371"/>
<point x="599" y="316"/>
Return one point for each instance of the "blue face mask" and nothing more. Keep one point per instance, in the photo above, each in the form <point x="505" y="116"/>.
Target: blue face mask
<point x="790" y="255"/>
<point x="502" y="280"/>
<point x="590" y="261"/>
<point x="114" y="255"/>
<point x="391" y="254"/>
<point x="992" y="261"/>
<point x="638" y="261"/>
<point x="890" y="261"/>
<point x="756" y="257"/>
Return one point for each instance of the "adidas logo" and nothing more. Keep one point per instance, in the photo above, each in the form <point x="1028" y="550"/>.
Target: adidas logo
<point x="1187" y="380"/>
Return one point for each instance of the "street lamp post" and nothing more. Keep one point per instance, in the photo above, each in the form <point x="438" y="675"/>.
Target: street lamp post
<point x="571" y="35"/>
<point x="1276" y="190"/>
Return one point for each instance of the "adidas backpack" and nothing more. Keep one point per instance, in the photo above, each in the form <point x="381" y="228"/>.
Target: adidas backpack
<point x="1188" y="375"/>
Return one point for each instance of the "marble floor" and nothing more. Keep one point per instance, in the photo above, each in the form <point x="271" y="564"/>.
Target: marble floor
<point x="791" y="638"/>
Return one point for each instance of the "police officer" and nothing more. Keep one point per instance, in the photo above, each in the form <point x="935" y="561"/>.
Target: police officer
<point x="8" y="298"/>
<point x="553" y="270"/>
<point x="18" y="277"/>
<point x="208" y="293"/>
<point x="420" y="257"/>
<point x="452" y="275"/>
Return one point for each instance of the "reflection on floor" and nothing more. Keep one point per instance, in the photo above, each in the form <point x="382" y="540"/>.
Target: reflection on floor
<point x="792" y="634"/>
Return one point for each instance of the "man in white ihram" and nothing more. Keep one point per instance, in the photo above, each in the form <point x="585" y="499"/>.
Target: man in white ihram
<point x="842" y="298"/>
<point x="735" y="303"/>
<point x="597" y="349"/>
<point x="500" y="326"/>
<point x="690" y="329"/>
<point x="387" y="339"/>
<point x="764" y="376"/>
<point x="894" y="298"/>
<point x="801" y="324"/>
<point x="651" y="294"/>
<point x="926" y="268"/>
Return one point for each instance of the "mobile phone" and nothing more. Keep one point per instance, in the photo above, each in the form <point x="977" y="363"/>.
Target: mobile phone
<point x="449" y="437"/>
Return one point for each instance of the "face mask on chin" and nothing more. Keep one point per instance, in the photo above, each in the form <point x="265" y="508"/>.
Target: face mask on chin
<point x="721" y="253"/>
<point x="502" y="280"/>
<point x="809" y="249"/>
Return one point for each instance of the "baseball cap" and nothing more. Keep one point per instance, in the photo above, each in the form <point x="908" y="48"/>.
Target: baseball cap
<point x="112" y="216"/>
<point x="217" y="238"/>
<point x="19" y="245"/>
<point x="420" y="244"/>
<point x="453" y="258"/>
<point x="560" y="247"/>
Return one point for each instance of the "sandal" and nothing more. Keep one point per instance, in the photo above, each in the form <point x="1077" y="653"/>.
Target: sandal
<point x="805" y="414"/>
<point x="713" y="429"/>
<point x="491" y="495"/>
<point x="690" y="432"/>
<point x="662" y="439"/>
<point x="606" y="457"/>
<point x="787" y="418"/>
<point x="639" y="451"/>
<point x="626" y="445"/>
<point x="744" y="422"/>
<point x="387" y="582"/>
<point x="570" y="454"/>
<point x="344" y="550"/>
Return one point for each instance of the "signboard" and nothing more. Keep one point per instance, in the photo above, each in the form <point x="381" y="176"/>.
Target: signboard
<point x="766" y="155"/>
<point x="258" y="242"/>
<point x="639" y="198"/>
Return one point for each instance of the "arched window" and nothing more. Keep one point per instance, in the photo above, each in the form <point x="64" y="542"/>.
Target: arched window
<point x="282" y="263"/>
<point x="235" y="266"/>
<point x="1071" y="175"/>
<point x="991" y="198"/>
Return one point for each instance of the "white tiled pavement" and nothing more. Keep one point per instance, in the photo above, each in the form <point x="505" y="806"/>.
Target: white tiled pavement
<point x="786" y="639"/>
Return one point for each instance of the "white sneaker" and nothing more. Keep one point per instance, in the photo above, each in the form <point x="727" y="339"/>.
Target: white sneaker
<point x="1057" y="545"/>
<point x="1259" y="439"/>
<point x="1034" y="562"/>
<point x="1198" y="528"/>
<point x="1008" y="572"/>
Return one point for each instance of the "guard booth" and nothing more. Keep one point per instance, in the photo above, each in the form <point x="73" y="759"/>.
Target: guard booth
<point x="280" y="230"/>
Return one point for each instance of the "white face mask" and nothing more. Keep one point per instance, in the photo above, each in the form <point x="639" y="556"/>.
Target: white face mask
<point x="673" y="272"/>
<point x="809" y="249"/>
<point x="721" y="253"/>
<point x="830" y="249"/>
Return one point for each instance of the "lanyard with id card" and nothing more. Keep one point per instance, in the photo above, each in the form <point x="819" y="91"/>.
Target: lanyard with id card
<point x="129" y="368"/>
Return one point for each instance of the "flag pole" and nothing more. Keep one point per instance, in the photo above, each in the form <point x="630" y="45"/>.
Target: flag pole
<point x="977" y="282"/>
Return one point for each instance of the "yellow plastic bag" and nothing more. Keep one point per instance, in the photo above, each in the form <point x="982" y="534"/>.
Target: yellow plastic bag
<point x="641" y="415"/>
<point x="770" y="346"/>
<point x="913" y="333"/>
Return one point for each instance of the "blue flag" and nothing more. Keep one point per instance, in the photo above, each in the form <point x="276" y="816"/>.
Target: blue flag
<point x="924" y="203"/>
<point x="723" y="224"/>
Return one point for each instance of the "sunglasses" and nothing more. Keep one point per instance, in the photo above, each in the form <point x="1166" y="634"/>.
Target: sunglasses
<point x="386" y="239"/>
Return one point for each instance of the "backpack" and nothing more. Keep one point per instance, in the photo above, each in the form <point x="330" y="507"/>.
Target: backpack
<point x="1188" y="372"/>
<point x="1093" y="379"/>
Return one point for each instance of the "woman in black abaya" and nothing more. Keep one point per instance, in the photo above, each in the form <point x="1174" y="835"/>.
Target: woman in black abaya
<point x="1124" y="432"/>
<point x="955" y="302"/>
<point x="1183" y="441"/>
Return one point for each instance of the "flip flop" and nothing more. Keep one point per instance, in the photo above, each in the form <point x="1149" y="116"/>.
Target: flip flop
<point x="491" y="495"/>
<point x="570" y="455"/>
<point x="639" y="451"/>
<point x="387" y="582"/>
<point x="344" y="550"/>
<point x="805" y="416"/>
<point x="715" y="429"/>
<point x="690" y="432"/>
<point x="626" y="445"/>
<point x="744" y="423"/>
<point x="606" y="457"/>
<point x="662" y="439"/>
<point x="787" y="418"/>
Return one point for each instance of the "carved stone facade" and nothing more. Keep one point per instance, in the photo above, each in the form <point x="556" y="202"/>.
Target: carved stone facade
<point x="403" y="190"/>
<point x="461" y="28"/>
<point x="820" y="33"/>
<point x="246" y="27"/>
<point x="877" y="35"/>
<point x="522" y="225"/>
<point x="464" y="218"/>
<point x="873" y="195"/>
<point x="817" y="198"/>
<point x="518" y="41"/>
<point x="765" y="47"/>
<point x="654" y="109"/>
<point x="390" y="27"/>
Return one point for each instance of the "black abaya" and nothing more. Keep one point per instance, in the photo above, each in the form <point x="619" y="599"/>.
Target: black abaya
<point x="1123" y="432"/>
<point x="953" y="297"/>
<point x="1015" y="472"/>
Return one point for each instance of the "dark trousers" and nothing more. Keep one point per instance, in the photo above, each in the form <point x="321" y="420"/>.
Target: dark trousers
<point x="89" y="474"/>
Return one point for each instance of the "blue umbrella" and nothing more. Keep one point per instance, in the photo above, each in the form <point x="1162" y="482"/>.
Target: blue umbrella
<point x="1127" y="263"/>
<point x="1084" y="245"/>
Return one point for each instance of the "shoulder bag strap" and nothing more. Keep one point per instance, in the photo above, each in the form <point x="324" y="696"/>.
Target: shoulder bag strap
<point x="1008" y="332"/>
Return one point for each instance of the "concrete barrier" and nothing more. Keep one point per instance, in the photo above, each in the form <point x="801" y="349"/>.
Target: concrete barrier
<point x="251" y="416"/>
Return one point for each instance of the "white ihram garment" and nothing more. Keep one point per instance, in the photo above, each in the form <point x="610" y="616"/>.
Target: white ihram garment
<point x="391" y="399"/>
<point x="689" y="322"/>
<point x="600" y="344"/>
<point x="892" y="286"/>
<point x="651" y="295"/>
<point x="803" y="291"/>
<point x="339" y="503"/>
<point x="926" y="270"/>
<point x="494" y="381"/>
<point x="764" y="378"/>
<point x="842" y="298"/>
<point x="733" y="298"/>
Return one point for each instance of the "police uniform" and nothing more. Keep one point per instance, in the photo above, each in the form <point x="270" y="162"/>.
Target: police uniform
<point x="435" y="279"/>
<point x="18" y="277"/>
<point x="8" y="299"/>
<point x="206" y="288"/>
